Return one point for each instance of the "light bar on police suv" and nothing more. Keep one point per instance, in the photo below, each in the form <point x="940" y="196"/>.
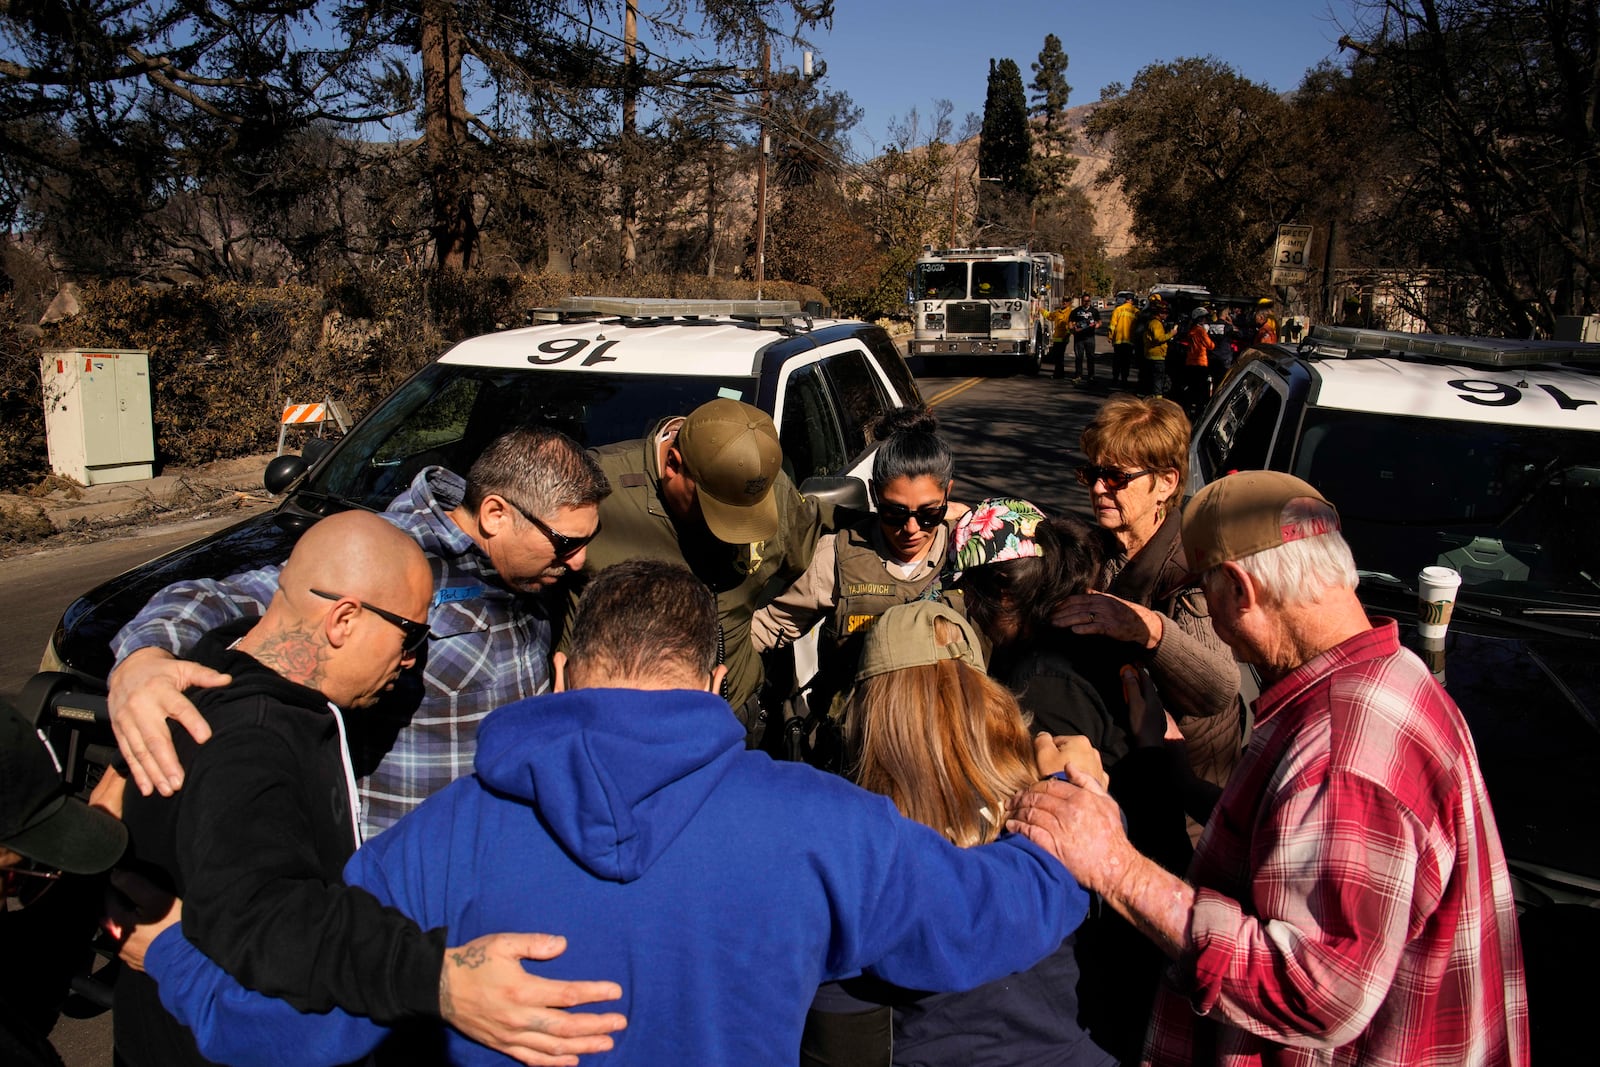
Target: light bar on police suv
<point x="668" y="307"/>
<point x="1345" y="342"/>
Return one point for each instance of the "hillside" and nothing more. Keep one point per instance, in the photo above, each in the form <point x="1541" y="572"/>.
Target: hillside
<point x="1113" y="220"/>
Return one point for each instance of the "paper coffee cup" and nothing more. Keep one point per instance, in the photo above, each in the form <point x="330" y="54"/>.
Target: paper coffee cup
<point x="1436" y="598"/>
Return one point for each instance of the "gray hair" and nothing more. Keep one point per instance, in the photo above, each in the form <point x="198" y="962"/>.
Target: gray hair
<point x="1299" y="572"/>
<point x="539" y="470"/>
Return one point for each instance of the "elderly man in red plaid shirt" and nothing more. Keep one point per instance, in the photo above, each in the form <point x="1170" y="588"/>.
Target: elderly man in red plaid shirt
<point x="1348" y="902"/>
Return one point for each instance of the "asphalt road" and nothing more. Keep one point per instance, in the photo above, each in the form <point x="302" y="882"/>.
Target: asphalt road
<point x="36" y="588"/>
<point x="1013" y="435"/>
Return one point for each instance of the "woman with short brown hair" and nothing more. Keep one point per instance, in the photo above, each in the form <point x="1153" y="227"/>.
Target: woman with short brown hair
<point x="1138" y="464"/>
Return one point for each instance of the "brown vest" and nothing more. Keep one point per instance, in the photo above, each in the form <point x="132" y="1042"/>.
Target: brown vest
<point x="865" y="588"/>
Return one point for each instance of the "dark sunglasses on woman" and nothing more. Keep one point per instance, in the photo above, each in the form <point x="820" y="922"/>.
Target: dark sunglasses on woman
<point x="1115" y="480"/>
<point x="895" y="515"/>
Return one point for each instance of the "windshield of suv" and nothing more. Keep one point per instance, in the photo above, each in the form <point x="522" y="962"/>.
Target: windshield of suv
<point x="1512" y="508"/>
<point x="448" y="413"/>
<point x="1000" y="281"/>
<point x="941" y="281"/>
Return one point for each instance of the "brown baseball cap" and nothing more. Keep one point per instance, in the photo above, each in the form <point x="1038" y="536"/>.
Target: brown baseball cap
<point x="1242" y="514"/>
<point x="731" y="451"/>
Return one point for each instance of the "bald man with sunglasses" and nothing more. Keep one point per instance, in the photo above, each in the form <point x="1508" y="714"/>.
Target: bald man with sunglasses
<point x="496" y="541"/>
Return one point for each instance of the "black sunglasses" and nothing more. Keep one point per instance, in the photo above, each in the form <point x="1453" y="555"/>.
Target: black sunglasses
<point x="416" y="633"/>
<point x="929" y="516"/>
<point x="1116" y="480"/>
<point x="566" y="545"/>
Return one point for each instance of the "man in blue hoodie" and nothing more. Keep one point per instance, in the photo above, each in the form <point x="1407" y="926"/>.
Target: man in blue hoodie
<point x="718" y="888"/>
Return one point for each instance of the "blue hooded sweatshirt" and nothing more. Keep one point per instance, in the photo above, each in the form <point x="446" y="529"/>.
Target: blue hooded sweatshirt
<point x="717" y="887"/>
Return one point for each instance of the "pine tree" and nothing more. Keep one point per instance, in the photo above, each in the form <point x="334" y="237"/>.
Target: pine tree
<point x="1054" y="166"/>
<point x="1005" y="147"/>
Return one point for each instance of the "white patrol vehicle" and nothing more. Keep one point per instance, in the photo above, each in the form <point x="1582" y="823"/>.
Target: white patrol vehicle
<point x="1482" y="455"/>
<point x="598" y="369"/>
<point x="604" y="369"/>
<point x="986" y="302"/>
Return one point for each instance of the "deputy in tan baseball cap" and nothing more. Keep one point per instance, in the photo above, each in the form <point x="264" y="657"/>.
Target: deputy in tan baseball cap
<point x="1243" y="514"/>
<point x="708" y="489"/>
<point x="731" y="452"/>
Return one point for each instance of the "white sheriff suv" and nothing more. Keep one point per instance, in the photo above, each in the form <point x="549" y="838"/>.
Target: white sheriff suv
<point x="599" y="369"/>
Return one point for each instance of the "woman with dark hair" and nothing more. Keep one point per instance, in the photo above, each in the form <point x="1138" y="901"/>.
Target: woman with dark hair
<point x="891" y="557"/>
<point x="950" y="747"/>
<point x="1015" y="566"/>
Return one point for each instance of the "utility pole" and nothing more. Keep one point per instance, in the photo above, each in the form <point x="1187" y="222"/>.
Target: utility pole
<point x="955" y="194"/>
<point x="630" y="109"/>
<point x="761" y="173"/>
<point x="1329" y="313"/>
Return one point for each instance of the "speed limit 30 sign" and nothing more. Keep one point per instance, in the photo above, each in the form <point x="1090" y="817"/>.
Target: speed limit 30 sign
<point x="1290" y="255"/>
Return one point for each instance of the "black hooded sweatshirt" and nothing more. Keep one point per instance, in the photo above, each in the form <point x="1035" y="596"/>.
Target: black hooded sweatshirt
<point x="255" y="843"/>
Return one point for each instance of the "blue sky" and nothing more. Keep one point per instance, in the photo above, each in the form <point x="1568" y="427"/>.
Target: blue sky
<point x="891" y="56"/>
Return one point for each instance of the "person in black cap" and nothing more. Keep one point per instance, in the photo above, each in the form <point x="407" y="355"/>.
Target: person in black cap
<point x="708" y="490"/>
<point x="41" y="827"/>
<point x="44" y="833"/>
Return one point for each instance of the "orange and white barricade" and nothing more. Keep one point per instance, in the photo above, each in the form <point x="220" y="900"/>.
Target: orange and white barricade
<point x="307" y="415"/>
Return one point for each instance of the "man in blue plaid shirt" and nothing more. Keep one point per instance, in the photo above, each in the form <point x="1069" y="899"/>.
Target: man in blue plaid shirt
<point x="517" y="523"/>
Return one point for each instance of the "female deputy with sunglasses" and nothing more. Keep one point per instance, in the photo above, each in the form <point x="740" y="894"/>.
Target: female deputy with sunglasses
<point x="892" y="557"/>
<point x="1138" y="452"/>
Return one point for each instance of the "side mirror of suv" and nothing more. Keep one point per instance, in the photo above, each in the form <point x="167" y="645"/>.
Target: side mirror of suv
<point x="833" y="492"/>
<point x="76" y="722"/>
<point x="316" y="448"/>
<point x="282" y="472"/>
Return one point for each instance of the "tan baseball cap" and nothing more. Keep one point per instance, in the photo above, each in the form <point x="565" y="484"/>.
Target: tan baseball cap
<point x="731" y="451"/>
<point x="903" y="637"/>
<point x="1242" y="514"/>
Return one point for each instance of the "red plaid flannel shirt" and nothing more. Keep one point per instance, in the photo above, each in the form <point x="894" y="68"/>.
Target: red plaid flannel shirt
<point x="1352" y="901"/>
